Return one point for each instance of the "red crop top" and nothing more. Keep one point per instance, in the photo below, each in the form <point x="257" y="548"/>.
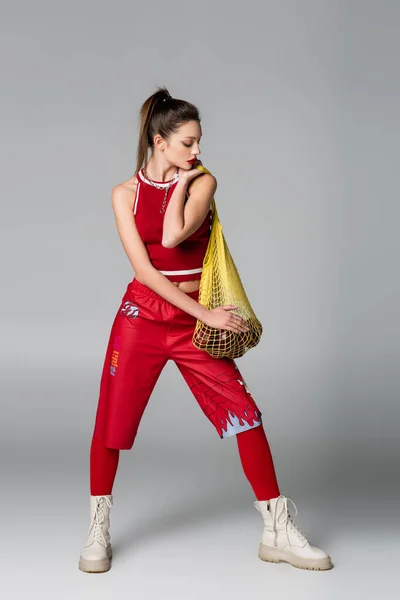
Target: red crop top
<point x="185" y="261"/>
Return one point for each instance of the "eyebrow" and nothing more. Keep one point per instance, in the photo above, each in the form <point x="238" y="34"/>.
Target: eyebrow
<point x="192" y="137"/>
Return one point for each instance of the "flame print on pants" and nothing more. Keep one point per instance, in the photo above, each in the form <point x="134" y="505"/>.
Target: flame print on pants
<point x="226" y="401"/>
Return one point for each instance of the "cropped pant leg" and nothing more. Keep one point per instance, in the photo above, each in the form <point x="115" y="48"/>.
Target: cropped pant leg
<point x="135" y="357"/>
<point x="216" y="383"/>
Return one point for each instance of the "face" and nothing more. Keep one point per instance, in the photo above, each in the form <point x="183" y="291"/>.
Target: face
<point x="182" y="146"/>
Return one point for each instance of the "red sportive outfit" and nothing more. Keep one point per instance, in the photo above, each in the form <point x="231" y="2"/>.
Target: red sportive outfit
<point x="147" y="332"/>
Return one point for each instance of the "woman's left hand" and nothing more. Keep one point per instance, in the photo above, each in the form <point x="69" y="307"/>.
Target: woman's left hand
<point x="187" y="176"/>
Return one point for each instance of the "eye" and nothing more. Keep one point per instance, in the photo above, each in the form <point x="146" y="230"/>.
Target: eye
<point x="189" y="145"/>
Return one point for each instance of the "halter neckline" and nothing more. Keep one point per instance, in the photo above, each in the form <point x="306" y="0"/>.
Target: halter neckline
<point x="162" y="183"/>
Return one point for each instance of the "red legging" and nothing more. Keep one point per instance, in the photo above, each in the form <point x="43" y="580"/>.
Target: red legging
<point x="254" y="451"/>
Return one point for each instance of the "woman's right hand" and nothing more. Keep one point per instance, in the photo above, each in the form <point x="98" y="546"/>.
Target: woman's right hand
<point x="222" y="318"/>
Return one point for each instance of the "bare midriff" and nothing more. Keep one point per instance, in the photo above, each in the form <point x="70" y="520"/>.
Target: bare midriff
<point x="187" y="286"/>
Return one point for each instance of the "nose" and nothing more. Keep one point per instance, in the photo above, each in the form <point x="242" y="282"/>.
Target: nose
<point x="197" y="152"/>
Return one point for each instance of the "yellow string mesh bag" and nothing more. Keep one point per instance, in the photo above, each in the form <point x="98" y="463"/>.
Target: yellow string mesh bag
<point x="220" y="285"/>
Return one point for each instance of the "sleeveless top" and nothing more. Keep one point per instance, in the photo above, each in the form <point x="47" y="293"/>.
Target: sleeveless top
<point x="182" y="263"/>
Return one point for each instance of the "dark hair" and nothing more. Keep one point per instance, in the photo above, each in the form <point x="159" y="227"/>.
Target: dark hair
<point x="161" y="114"/>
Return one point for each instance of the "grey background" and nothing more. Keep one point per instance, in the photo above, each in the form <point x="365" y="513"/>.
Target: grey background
<point x="299" y="104"/>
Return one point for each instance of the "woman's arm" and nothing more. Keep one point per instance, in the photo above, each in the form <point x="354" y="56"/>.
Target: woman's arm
<point x="122" y="202"/>
<point x="181" y="220"/>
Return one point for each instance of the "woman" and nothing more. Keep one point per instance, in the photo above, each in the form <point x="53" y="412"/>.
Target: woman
<point x="163" y="217"/>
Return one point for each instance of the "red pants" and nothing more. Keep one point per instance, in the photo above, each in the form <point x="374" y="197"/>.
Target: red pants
<point x="146" y="333"/>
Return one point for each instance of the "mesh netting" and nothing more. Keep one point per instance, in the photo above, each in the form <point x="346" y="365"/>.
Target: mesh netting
<point x="220" y="285"/>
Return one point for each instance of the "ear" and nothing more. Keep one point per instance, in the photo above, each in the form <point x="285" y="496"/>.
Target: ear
<point x="158" y="141"/>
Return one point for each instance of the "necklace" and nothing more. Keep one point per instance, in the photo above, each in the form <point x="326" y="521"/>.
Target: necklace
<point x="162" y="187"/>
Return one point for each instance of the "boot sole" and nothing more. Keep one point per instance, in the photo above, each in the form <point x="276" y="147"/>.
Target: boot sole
<point x="101" y="565"/>
<point x="268" y="554"/>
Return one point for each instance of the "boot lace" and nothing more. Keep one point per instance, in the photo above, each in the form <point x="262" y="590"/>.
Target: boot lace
<point x="287" y="519"/>
<point x="95" y="530"/>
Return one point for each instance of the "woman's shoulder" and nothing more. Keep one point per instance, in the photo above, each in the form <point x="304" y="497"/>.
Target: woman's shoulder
<point x="126" y="190"/>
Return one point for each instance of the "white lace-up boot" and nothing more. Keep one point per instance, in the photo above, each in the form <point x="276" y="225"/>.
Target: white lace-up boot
<point x="282" y="540"/>
<point x="96" y="555"/>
